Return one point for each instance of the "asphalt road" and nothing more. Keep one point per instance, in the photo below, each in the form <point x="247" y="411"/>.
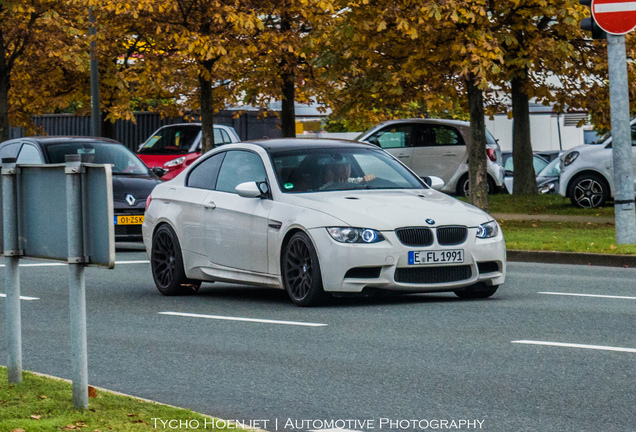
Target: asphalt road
<point x="420" y="362"/>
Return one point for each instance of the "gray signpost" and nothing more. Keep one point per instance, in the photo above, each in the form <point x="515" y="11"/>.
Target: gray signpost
<point x="77" y="199"/>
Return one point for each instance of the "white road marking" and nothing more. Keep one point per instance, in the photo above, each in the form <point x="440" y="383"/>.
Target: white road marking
<point x="21" y="297"/>
<point x="615" y="7"/>
<point x="57" y="264"/>
<point x="227" y="318"/>
<point x="589" y="295"/>
<point x="571" y="345"/>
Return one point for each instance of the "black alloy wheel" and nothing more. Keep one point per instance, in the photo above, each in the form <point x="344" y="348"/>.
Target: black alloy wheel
<point x="301" y="271"/>
<point x="167" y="264"/>
<point x="589" y="191"/>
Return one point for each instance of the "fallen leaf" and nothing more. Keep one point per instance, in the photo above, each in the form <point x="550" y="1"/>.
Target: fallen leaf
<point x="534" y="225"/>
<point x="18" y="430"/>
<point x="612" y="247"/>
<point x="139" y="421"/>
<point x="42" y="397"/>
<point x="70" y="427"/>
<point x="36" y="417"/>
<point x="592" y="244"/>
<point x="92" y="392"/>
<point x="131" y="415"/>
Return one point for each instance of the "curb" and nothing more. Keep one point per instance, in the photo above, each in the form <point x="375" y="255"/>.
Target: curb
<point x="552" y="257"/>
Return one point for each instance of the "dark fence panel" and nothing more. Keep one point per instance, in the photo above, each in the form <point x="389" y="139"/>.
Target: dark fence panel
<point x="248" y="125"/>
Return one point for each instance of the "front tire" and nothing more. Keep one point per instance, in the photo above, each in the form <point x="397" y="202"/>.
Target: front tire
<point x="477" y="291"/>
<point x="167" y="264"/>
<point x="301" y="271"/>
<point x="588" y="191"/>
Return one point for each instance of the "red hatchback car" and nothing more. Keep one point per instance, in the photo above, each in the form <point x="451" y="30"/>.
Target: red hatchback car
<point x="174" y="147"/>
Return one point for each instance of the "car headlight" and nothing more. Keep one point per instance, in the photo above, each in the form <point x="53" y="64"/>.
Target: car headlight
<point x="175" y="162"/>
<point x="488" y="230"/>
<point x="355" y="235"/>
<point x="570" y="157"/>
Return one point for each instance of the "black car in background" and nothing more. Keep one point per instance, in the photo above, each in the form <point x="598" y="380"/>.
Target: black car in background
<point x="132" y="180"/>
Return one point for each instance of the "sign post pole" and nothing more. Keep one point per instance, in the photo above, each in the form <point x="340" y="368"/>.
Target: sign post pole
<point x="76" y="281"/>
<point x="12" y="270"/>
<point x="621" y="141"/>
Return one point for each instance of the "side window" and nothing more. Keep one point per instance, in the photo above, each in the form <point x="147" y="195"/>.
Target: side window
<point x="29" y="155"/>
<point x="9" y="151"/>
<point x="433" y="135"/>
<point x="221" y="137"/>
<point x="633" y="127"/>
<point x="240" y="167"/>
<point x="204" y="175"/>
<point x="392" y="137"/>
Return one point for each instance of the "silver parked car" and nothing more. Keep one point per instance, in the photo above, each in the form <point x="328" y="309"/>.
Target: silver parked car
<point x="436" y="147"/>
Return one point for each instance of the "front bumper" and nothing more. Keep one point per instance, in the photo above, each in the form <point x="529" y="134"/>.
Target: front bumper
<point x="355" y="267"/>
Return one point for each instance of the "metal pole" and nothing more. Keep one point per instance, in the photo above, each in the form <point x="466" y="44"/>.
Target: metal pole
<point x="621" y="141"/>
<point x="12" y="270"/>
<point x="76" y="282"/>
<point x="96" y="112"/>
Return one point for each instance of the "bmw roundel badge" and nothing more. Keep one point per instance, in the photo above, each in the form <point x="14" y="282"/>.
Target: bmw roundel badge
<point x="430" y="221"/>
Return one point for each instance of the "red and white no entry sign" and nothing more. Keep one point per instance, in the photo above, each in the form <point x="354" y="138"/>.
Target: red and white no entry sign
<point x="615" y="16"/>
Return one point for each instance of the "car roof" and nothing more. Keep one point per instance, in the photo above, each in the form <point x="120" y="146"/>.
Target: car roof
<point x="48" y="140"/>
<point x="283" y="144"/>
<point x="427" y="121"/>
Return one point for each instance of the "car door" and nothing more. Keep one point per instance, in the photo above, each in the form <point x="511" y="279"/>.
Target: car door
<point x="437" y="150"/>
<point x="200" y="182"/>
<point x="395" y="139"/>
<point x="235" y="227"/>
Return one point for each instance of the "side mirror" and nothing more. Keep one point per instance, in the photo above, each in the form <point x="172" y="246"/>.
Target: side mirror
<point x="252" y="189"/>
<point x="434" y="182"/>
<point x="158" y="171"/>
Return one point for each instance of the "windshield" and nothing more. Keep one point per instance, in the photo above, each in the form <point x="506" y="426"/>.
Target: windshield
<point x="553" y="169"/>
<point x="329" y="169"/>
<point x="171" y="140"/>
<point x="122" y="160"/>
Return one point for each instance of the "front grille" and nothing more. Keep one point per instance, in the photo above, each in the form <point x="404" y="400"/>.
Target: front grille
<point x="128" y="230"/>
<point x="415" y="236"/>
<point x="432" y="275"/>
<point x="451" y="235"/>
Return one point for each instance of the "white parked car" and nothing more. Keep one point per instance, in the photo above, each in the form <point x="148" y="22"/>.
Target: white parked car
<point x="315" y="217"/>
<point x="587" y="177"/>
<point x="437" y="147"/>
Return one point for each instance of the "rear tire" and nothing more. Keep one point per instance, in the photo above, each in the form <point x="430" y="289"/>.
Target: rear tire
<point x="166" y="261"/>
<point x="301" y="271"/>
<point x="463" y="186"/>
<point x="477" y="291"/>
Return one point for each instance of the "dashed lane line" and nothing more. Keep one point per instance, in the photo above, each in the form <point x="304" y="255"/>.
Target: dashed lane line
<point x="254" y="320"/>
<point x="589" y="295"/>
<point x="572" y="345"/>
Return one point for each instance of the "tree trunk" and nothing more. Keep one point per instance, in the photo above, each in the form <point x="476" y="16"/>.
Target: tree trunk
<point x="524" y="180"/>
<point x="288" y="110"/>
<point x="477" y="150"/>
<point x="207" y="111"/>
<point x="5" y="74"/>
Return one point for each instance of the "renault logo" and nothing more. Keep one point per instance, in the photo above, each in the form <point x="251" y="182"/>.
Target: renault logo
<point x="430" y="221"/>
<point x="130" y="199"/>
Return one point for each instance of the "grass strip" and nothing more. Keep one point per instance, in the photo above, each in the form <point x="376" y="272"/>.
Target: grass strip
<point x="45" y="404"/>
<point x="563" y="236"/>
<point x="549" y="204"/>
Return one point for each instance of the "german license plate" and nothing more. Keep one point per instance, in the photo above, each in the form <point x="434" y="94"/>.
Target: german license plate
<point x="129" y="220"/>
<point x="436" y="257"/>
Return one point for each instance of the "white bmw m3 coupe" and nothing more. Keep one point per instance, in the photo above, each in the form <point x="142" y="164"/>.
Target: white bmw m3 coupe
<point x="316" y="217"/>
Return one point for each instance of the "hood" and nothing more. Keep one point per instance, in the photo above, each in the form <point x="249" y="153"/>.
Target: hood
<point x="137" y="186"/>
<point x="388" y="210"/>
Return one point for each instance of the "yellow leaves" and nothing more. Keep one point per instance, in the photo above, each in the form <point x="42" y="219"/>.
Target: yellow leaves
<point x="381" y="26"/>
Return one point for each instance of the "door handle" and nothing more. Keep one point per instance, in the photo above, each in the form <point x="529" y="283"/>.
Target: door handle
<point x="450" y="154"/>
<point x="209" y="205"/>
<point x="402" y="156"/>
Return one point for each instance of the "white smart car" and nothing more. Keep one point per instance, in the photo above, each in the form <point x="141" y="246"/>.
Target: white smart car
<point x="437" y="147"/>
<point x="587" y="177"/>
<point x="315" y="217"/>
